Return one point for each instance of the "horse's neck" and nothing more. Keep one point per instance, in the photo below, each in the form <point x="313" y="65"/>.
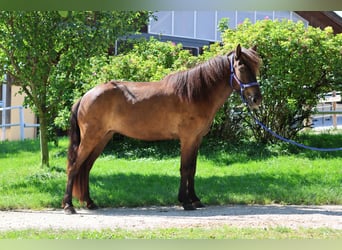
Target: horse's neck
<point x="220" y="93"/>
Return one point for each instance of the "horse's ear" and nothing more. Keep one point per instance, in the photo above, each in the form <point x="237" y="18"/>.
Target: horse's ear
<point x="238" y="51"/>
<point x="254" y="47"/>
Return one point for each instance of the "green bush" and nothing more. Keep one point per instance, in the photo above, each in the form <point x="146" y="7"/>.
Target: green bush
<point x="148" y="61"/>
<point x="299" y="65"/>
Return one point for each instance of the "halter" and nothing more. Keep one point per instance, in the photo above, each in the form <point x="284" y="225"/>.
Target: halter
<point x="242" y="85"/>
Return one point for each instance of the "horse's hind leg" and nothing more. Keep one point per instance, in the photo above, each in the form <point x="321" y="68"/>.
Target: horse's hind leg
<point x="73" y="172"/>
<point x="78" y="171"/>
<point x="88" y="165"/>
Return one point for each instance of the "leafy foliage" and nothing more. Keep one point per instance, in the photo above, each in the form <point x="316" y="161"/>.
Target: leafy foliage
<point x="46" y="52"/>
<point x="299" y="65"/>
<point x="147" y="61"/>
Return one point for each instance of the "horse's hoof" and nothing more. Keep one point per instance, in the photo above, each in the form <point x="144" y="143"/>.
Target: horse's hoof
<point x="198" y="204"/>
<point x="188" y="207"/>
<point x="92" y="206"/>
<point x="69" y="209"/>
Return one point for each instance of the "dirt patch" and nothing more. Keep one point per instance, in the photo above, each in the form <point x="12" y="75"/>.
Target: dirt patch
<point x="175" y="217"/>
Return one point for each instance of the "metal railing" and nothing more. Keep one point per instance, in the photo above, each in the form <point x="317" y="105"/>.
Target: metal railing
<point x="21" y="123"/>
<point x="329" y="106"/>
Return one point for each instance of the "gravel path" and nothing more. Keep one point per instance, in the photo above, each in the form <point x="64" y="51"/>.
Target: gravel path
<point x="166" y="217"/>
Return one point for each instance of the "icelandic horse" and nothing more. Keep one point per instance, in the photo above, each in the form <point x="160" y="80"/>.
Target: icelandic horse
<point x="181" y="106"/>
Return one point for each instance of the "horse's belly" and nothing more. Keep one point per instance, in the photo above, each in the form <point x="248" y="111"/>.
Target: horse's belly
<point x="144" y="129"/>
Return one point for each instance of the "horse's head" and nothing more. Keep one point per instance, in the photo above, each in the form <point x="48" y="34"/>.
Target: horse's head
<point x="244" y="67"/>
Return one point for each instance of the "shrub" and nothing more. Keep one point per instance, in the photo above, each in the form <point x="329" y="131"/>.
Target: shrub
<point x="299" y="65"/>
<point x="147" y="61"/>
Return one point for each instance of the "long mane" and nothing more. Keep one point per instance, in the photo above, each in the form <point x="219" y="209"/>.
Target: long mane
<point x="193" y="84"/>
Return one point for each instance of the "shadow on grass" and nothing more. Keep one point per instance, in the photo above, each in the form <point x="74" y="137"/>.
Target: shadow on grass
<point x="214" y="149"/>
<point x="322" y="140"/>
<point x="225" y="152"/>
<point x="134" y="190"/>
<point x="218" y="151"/>
<point x="141" y="190"/>
<point x="252" y="188"/>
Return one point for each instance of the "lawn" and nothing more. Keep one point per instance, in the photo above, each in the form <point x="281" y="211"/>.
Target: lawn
<point x="135" y="173"/>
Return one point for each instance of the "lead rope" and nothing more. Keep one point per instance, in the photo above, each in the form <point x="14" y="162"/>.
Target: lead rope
<point x="288" y="140"/>
<point x="242" y="88"/>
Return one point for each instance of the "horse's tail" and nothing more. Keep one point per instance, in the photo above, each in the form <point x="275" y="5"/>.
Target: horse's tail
<point x="75" y="139"/>
<point x="74" y="134"/>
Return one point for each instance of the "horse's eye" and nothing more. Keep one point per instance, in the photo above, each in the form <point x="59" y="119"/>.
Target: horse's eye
<point x="242" y="67"/>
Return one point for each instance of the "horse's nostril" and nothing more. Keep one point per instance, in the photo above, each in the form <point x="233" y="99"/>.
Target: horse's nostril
<point x="253" y="99"/>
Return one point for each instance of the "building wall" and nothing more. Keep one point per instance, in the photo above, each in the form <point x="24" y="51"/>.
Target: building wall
<point x="13" y="133"/>
<point x="203" y="24"/>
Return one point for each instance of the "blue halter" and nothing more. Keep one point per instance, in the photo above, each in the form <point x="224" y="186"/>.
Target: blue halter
<point x="242" y="85"/>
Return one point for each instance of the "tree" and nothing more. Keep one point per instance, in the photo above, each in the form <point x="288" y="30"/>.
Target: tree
<point x="45" y="54"/>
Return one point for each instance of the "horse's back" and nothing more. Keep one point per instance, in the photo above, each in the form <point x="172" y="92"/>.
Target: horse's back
<point x="136" y="110"/>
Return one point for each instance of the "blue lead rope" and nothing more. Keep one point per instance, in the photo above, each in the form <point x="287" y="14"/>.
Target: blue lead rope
<point x="291" y="141"/>
<point x="243" y="86"/>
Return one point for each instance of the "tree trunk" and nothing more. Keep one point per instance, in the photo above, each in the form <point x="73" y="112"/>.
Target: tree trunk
<point x="44" y="148"/>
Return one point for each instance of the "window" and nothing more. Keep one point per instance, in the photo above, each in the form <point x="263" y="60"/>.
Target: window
<point x="242" y="15"/>
<point x="163" y="24"/>
<point x="205" y="25"/>
<point x="184" y="23"/>
<point x="261" y="15"/>
<point x="280" y="15"/>
<point x="231" y="15"/>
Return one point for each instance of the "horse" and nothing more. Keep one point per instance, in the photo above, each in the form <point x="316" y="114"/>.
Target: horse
<point x="181" y="106"/>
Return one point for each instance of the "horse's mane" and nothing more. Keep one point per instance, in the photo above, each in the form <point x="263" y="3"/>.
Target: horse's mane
<point x="194" y="83"/>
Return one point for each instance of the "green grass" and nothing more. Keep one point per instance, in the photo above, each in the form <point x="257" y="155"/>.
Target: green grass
<point x="135" y="173"/>
<point x="224" y="232"/>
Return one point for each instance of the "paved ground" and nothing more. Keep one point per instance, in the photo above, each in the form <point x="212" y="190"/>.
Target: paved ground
<point x="166" y="217"/>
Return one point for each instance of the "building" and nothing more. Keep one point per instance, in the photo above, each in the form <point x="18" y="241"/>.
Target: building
<point x="22" y="119"/>
<point x="202" y="25"/>
<point x="194" y="29"/>
<point x="323" y="19"/>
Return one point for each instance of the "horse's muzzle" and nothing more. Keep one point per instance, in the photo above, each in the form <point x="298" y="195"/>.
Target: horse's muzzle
<point x="254" y="102"/>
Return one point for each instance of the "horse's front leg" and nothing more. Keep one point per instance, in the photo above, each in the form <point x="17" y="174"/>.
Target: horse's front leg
<point x="191" y="188"/>
<point x="187" y="195"/>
